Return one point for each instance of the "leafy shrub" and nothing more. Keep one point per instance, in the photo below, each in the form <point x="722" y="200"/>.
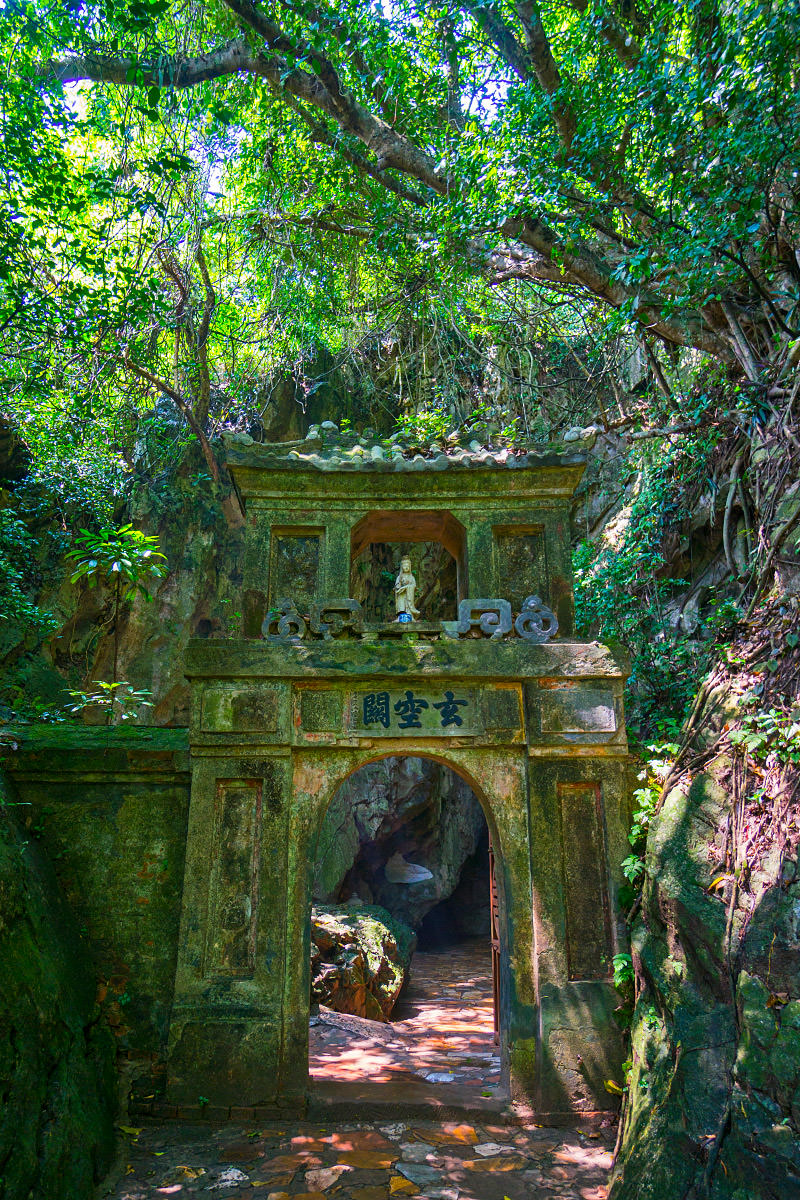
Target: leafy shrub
<point x="622" y="589"/>
<point x="18" y="549"/>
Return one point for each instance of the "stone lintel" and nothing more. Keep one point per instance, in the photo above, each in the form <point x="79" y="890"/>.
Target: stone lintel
<point x="350" y="658"/>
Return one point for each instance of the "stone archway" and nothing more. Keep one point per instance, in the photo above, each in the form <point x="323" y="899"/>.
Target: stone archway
<point x="275" y="732"/>
<point x="499" y="832"/>
<point x="535" y="723"/>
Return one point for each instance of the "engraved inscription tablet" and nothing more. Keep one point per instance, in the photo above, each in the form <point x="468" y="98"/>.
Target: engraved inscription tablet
<point x="234" y="879"/>
<point x="243" y="710"/>
<point x="415" y="712"/>
<point x="585" y="888"/>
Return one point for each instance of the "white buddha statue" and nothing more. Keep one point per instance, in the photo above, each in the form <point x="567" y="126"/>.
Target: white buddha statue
<point x="405" y="586"/>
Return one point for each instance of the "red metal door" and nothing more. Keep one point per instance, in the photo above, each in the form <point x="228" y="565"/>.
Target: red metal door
<point x="494" y="928"/>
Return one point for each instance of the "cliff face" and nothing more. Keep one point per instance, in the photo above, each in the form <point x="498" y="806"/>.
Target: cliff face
<point x="713" y="1108"/>
<point x="57" y="1071"/>
<point x="199" y="597"/>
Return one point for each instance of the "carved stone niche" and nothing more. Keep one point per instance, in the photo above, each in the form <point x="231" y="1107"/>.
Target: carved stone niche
<point x="436" y="543"/>
<point x="295" y="566"/>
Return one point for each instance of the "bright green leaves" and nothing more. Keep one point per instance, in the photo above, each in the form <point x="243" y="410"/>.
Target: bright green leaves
<point x="125" y="557"/>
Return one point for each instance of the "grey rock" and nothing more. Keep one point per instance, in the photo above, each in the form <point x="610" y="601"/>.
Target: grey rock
<point x="415" y="1152"/>
<point x="419" y="1173"/>
<point x="386" y="803"/>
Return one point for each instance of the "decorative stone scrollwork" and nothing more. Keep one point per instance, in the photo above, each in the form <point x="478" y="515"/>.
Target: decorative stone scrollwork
<point x="290" y="623"/>
<point x="332" y="617"/>
<point x="492" y="617"/>
<point x="536" y="622"/>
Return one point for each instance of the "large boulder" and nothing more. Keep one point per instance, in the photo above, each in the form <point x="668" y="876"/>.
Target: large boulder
<point x="57" y="1056"/>
<point x="359" y="959"/>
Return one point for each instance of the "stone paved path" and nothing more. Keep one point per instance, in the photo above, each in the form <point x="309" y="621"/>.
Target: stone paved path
<point x="438" y="1054"/>
<point x="439" y="1046"/>
<point x="365" y="1161"/>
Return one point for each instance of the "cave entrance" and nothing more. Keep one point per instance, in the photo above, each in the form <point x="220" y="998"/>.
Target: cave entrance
<point x="405" y="940"/>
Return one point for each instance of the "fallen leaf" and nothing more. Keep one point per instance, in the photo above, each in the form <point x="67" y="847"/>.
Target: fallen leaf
<point x="400" y="1186"/>
<point x="370" y="1193"/>
<point x="289" y="1163"/>
<point x="369" y="1160"/>
<point x="129" y="1130"/>
<point x="489" y="1165"/>
<point x="323" y="1177"/>
<point x="449" y="1135"/>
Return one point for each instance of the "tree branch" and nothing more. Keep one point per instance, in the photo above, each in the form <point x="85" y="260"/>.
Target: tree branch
<point x="178" y="400"/>
<point x="546" y="69"/>
<point x="204" y="398"/>
<point x="501" y="36"/>
<point x="622" y="43"/>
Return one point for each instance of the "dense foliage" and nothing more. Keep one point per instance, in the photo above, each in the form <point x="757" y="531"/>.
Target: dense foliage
<point x="503" y="217"/>
<point x="196" y="197"/>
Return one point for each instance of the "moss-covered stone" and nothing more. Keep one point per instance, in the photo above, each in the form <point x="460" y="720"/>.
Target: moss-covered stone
<point x="57" y="1078"/>
<point x="360" y="956"/>
<point x="711" y="1109"/>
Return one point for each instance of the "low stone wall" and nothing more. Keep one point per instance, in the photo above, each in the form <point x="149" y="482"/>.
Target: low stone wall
<point x="108" y="808"/>
<point x="57" y="1054"/>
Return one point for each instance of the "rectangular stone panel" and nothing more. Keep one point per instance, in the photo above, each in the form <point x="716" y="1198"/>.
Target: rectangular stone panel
<point x="502" y="707"/>
<point x="585" y="882"/>
<point x="571" y="708"/>
<point x="233" y="891"/>
<point x="320" y="710"/>
<point x="241" y="710"/>
<point x="521" y="566"/>
<point x="295" y="563"/>
<point x="415" y="712"/>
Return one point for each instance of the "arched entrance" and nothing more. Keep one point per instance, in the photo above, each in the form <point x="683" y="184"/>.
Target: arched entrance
<point x="401" y="888"/>
<point x="273" y="739"/>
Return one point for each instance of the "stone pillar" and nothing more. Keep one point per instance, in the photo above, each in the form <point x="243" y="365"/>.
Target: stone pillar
<point x="575" y="917"/>
<point x="226" y="1032"/>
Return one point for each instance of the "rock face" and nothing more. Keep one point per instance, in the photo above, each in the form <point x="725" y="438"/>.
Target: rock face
<point x="57" y="1072"/>
<point x="713" y="1109"/>
<point x="410" y="807"/>
<point x="359" y="959"/>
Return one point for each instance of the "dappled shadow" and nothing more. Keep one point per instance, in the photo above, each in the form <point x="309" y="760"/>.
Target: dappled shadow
<point x="439" y="1047"/>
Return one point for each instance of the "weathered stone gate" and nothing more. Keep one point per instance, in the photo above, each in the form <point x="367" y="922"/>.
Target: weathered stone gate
<point x="535" y="726"/>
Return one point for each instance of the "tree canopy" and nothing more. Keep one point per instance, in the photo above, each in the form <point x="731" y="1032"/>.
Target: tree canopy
<point x="196" y="192"/>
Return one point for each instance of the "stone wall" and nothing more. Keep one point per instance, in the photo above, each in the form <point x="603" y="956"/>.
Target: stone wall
<point x="109" y="809"/>
<point x="57" y="1060"/>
